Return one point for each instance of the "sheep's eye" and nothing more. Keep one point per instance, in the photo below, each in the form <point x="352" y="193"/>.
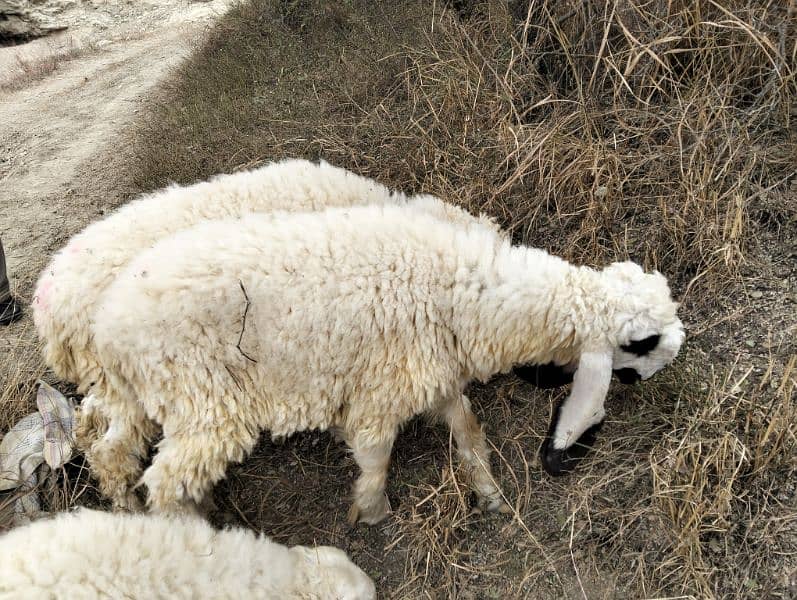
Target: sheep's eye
<point x="642" y="347"/>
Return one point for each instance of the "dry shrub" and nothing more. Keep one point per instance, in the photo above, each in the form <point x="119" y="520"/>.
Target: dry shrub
<point x="648" y="130"/>
<point x="725" y="479"/>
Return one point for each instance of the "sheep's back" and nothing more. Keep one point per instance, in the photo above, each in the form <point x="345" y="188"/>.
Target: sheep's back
<point x="93" y="554"/>
<point x="345" y="303"/>
<point x="68" y="289"/>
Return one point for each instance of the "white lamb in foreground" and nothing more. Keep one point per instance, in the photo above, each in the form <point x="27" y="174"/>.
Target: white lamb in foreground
<point x="86" y="555"/>
<point x="68" y="289"/>
<point x="355" y="319"/>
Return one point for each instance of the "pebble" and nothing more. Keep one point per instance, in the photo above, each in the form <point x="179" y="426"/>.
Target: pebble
<point x="756" y="294"/>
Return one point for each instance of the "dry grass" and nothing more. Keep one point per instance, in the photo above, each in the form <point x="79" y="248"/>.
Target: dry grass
<point x="20" y="369"/>
<point x="33" y="68"/>
<point x="648" y="130"/>
<point x="659" y="131"/>
<point x="734" y="457"/>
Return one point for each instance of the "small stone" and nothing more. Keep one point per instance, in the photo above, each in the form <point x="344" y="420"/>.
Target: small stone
<point x="601" y="191"/>
<point x="756" y="294"/>
<point x="750" y="343"/>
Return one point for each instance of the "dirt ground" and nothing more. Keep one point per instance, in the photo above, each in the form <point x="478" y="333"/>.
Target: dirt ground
<point x="56" y="124"/>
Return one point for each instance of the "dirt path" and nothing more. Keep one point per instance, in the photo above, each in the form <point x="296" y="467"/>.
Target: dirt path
<point x="64" y="102"/>
<point x="57" y="127"/>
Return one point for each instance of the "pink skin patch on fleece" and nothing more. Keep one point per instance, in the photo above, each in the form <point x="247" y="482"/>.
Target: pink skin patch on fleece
<point x="41" y="299"/>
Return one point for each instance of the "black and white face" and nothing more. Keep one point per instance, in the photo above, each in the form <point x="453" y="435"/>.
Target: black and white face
<point x="638" y="359"/>
<point x="579" y="417"/>
<point x="645" y="355"/>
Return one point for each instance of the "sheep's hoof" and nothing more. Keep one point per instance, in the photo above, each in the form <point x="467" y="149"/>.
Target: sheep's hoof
<point x="496" y="505"/>
<point x="128" y="503"/>
<point x="370" y="515"/>
<point x="561" y="462"/>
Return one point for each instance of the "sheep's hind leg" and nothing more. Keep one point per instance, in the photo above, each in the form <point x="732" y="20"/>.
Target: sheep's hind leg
<point x="474" y="453"/>
<point x="189" y="463"/>
<point x="370" y="504"/>
<point x="115" y="456"/>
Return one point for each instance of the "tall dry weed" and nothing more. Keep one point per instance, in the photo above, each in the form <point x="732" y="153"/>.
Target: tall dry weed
<point x="600" y="129"/>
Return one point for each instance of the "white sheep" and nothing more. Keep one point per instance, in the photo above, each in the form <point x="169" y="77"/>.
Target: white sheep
<point x="90" y="554"/>
<point x="353" y="319"/>
<point x="67" y="290"/>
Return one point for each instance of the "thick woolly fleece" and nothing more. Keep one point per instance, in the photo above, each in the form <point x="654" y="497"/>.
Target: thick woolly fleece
<point x="67" y="290"/>
<point x="88" y="555"/>
<point x="356" y="318"/>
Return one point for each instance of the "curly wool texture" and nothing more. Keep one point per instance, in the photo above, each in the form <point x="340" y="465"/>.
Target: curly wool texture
<point x="68" y="289"/>
<point x="91" y="554"/>
<point x="356" y="318"/>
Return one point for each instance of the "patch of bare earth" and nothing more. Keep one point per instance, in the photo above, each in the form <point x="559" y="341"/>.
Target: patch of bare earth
<point x="64" y="115"/>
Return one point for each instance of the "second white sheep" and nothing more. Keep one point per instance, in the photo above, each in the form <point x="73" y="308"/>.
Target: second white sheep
<point x="354" y="319"/>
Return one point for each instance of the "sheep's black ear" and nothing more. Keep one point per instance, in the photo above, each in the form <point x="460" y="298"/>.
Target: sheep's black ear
<point x="642" y="347"/>
<point x="545" y="376"/>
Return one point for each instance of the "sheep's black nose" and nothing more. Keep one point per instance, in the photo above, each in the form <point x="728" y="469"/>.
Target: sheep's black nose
<point x="627" y="376"/>
<point x="561" y="462"/>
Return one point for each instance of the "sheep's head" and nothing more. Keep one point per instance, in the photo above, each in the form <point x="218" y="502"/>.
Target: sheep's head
<point x="643" y="336"/>
<point x="647" y="334"/>
<point x="329" y="573"/>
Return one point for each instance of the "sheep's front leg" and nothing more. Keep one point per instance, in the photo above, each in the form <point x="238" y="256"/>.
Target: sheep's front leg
<point x="370" y="504"/>
<point x="579" y="417"/>
<point x="473" y="452"/>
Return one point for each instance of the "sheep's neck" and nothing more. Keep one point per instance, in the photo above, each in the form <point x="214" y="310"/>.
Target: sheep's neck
<point x="525" y="307"/>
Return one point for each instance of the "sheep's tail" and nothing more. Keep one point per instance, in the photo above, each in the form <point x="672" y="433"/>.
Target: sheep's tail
<point x="60" y="316"/>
